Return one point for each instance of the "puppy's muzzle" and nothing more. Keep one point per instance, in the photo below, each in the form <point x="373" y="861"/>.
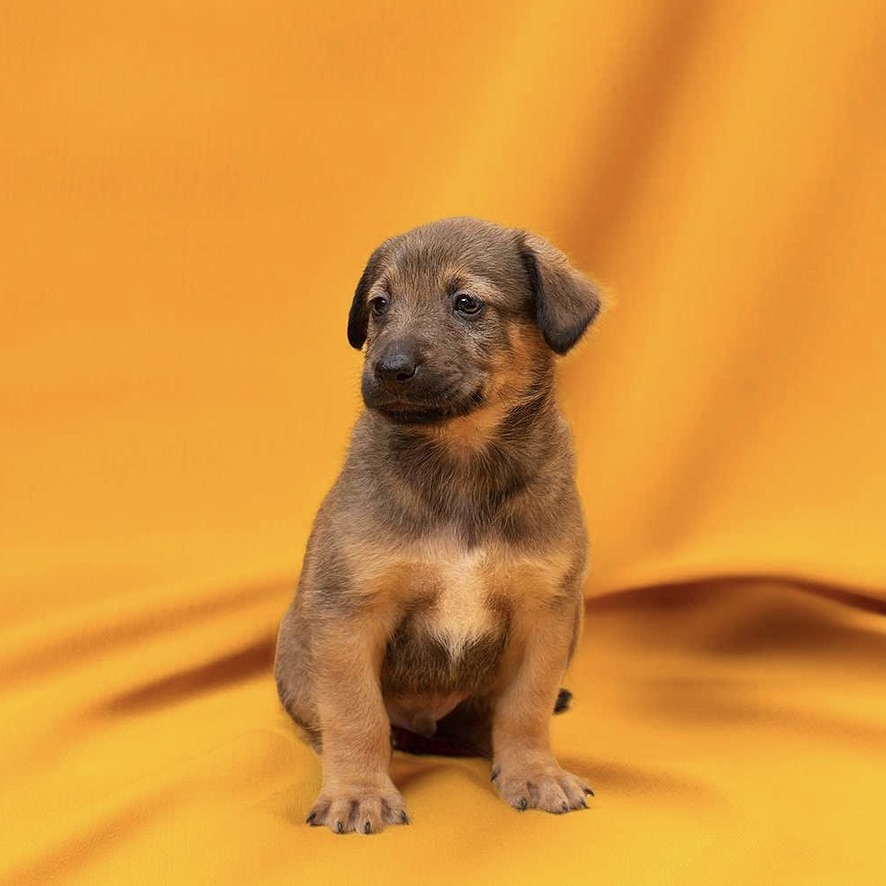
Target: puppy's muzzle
<point x="403" y="384"/>
<point x="397" y="367"/>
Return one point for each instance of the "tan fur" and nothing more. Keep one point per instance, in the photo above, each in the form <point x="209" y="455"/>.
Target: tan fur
<point x="441" y="589"/>
<point x="467" y="435"/>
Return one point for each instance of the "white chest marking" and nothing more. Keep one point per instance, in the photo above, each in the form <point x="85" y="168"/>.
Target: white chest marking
<point x="460" y="615"/>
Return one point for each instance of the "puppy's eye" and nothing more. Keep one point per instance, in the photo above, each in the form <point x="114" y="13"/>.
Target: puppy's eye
<point x="465" y="303"/>
<point x="379" y="305"/>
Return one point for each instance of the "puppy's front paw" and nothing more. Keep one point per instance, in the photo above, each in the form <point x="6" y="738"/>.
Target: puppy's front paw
<point x="549" y="788"/>
<point x="360" y="808"/>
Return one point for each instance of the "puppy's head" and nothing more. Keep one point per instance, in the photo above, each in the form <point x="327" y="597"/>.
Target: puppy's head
<point x="462" y="314"/>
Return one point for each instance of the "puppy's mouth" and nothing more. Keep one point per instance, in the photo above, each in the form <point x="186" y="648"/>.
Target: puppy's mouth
<point x="403" y="412"/>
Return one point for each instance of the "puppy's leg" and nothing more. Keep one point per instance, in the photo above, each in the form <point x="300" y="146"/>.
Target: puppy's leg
<point x="357" y="792"/>
<point x="292" y="671"/>
<point x="524" y="770"/>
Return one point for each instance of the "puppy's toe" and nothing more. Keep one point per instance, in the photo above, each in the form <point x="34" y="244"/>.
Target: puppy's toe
<point x="575" y="789"/>
<point x="552" y="797"/>
<point x="394" y="810"/>
<point x="342" y="815"/>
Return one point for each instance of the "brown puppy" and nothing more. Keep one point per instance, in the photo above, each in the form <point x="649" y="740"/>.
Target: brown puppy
<point x="441" y="591"/>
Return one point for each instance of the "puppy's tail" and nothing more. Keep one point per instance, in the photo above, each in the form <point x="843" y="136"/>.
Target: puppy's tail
<point x="564" y="699"/>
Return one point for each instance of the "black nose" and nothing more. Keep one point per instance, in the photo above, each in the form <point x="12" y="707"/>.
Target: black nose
<point x="396" y="366"/>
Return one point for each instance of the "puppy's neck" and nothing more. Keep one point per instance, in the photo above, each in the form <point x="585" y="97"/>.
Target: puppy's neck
<point x="468" y="436"/>
<point x="471" y="478"/>
<point x="486" y="453"/>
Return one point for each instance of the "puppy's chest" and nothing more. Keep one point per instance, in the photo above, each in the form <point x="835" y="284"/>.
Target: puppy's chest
<point x="456" y="602"/>
<point x="453" y="626"/>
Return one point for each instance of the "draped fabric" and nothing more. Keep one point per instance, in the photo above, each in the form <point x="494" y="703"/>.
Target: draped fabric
<point x="188" y="193"/>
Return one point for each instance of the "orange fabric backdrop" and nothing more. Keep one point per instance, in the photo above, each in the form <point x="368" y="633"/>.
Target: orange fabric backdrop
<point x="187" y="195"/>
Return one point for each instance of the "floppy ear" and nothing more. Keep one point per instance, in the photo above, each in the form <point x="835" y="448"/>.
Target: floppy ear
<point x="358" y="318"/>
<point x="566" y="302"/>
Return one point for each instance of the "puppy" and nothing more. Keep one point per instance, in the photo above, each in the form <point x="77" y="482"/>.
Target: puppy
<point x="441" y="592"/>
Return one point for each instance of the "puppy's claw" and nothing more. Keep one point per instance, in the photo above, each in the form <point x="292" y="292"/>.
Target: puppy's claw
<point x="522" y="804"/>
<point x="565" y="807"/>
<point x="367" y="827"/>
<point x="339" y="827"/>
<point x="310" y="819"/>
<point x="496" y="771"/>
<point x="404" y="818"/>
<point x="588" y="792"/>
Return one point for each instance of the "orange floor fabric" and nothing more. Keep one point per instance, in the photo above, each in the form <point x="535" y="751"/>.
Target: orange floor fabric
<point x="187" y="195"/>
